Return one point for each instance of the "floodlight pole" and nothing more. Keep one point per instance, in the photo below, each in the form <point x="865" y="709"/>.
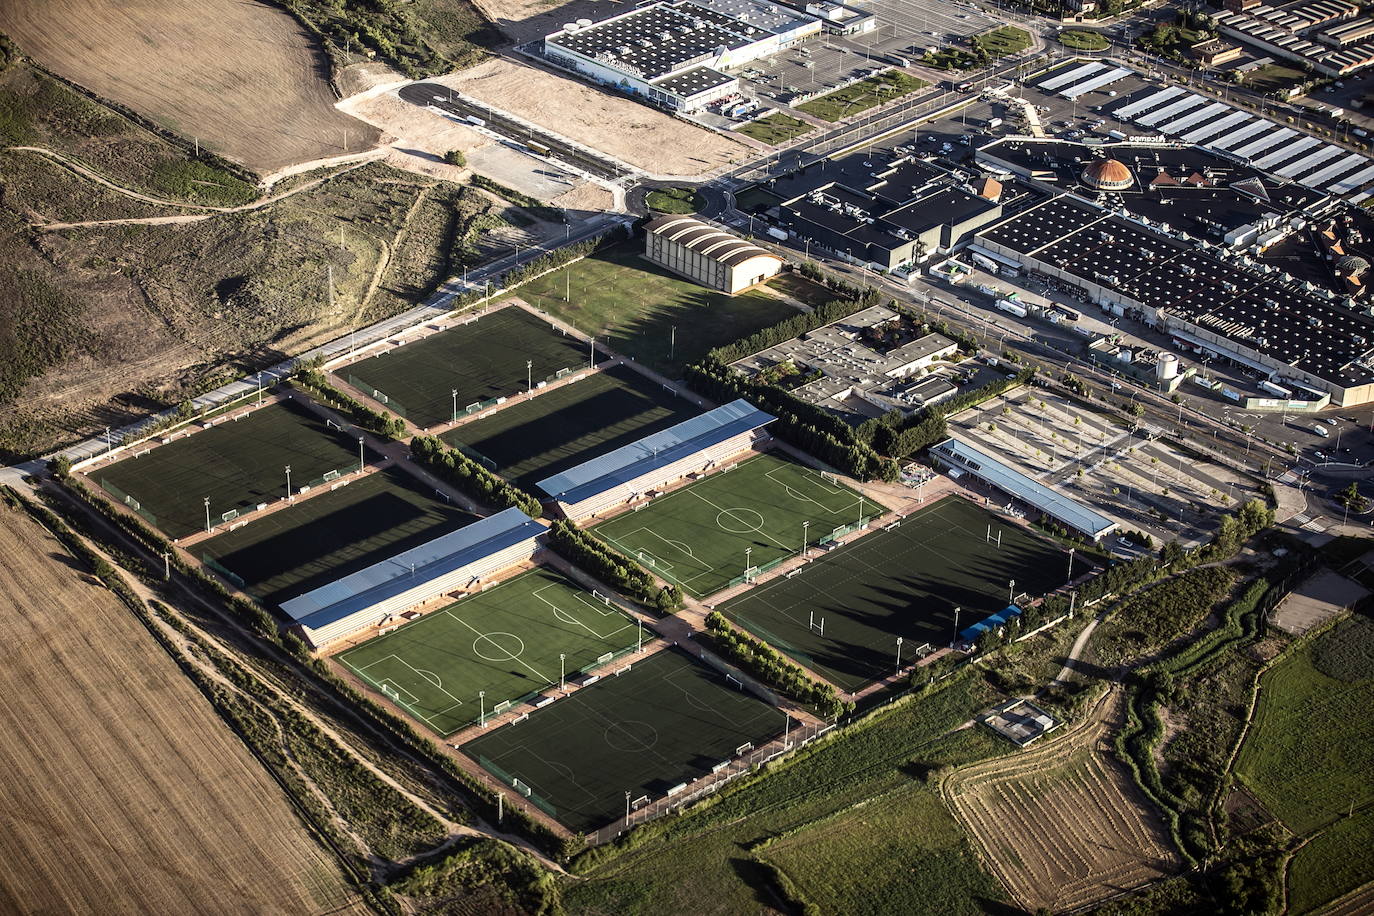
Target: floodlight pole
<point x="1070" y="575"/>
<point x="362" y="463"/>
<point x="289" y="497"/>
<point x="259" y="387"/>
<point x="627" y="807"/>
<point x="805" y="525"/>
<point x="529" y="377"/>
<point x="593" y="352"/>
<point x="1011" y="592"/>
<point x="956" y="628"/>
<point x="639" y="636"/>
<point x="861" y="510"/>
<point x="747" y="552"/>
<point x="500" y="806"/>
<point x="482" y="699"/>
<point x="561" y="675"/>
<point x="207" y="515"/>
<point x="166" y="565"/>
<point x="672" y="341"/>
<point x="899" y="655"/>
<point x="455" y="404"/>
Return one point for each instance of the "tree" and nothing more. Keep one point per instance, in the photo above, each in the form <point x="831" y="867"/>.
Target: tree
<point x="456" y="157"/>
<point x="1352" y="499"/>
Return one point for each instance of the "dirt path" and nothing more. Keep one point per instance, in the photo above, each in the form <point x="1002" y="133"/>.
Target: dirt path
<point x="206" y="211"/>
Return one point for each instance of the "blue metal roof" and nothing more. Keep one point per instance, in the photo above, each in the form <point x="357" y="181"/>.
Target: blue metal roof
<point x="969" y="634"/>
<point x="380" y="581"/>
<point x="965" y="457"/>
<point x="654" y="451"/>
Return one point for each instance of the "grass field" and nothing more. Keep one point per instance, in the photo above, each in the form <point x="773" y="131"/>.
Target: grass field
<point x="674" y="200"/>
<point x="863" y="95"/>
<point x="1082" y="40"/>
<point x="245" y="78"/>
<point x="1309" y="753"/>
<point x="127" y="792"/>
<point x="664" y="722"/>
<point x="904" y="582"/>
<point x="1273" y="77"/>
<point x="333" y="534"/>
<point x="1335" y="862"/>
<point x="648" y="313"/>
<point x="775" y="129"/>
<point x="699" y="536"/>
<point x="505" y="641"/>
<point x="238" y="464"/>
<point x="554" y="431"/>
<point x="483" y="360"/>
<point x="1003" y="41"/>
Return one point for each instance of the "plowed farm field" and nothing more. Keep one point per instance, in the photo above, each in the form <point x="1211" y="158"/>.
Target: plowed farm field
<point x="1061" y="824"/>
<point x="245" y="78"/>
<point x="124" y="792"/>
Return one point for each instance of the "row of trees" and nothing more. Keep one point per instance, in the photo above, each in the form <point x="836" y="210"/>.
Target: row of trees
<point x="765" y="663"/>
<point x="604" y="562"/>
<point x="375" y="421"/>
<point x="795" y="326"/>
<point x="467" y="475"/>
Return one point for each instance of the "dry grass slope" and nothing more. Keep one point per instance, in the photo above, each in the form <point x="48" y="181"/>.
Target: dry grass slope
<point x="1061" y="824"/>
<point x="123" y="791"/>
<point x="243" y="77"/>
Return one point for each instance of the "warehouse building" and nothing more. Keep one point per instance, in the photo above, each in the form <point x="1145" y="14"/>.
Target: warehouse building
<point x="457" y="561"/>
<point x="675" y="53"/>
<point x="707" y="255"/>
<point x="963" y="458"/>
<point x="631" y="472"/>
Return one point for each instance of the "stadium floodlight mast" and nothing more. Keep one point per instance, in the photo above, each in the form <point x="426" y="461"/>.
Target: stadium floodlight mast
<point x="482" y="700"/>
<point x="1011" y="592"/>
<point x="362" y="463"/>
<point x="1070" y="576"/>
<point x="805" y="525"/>
<point x="899" y="655"/>
<point x="289" y="497"/>
<point x="529" y="377"/>
<point x="627" y="807"/>
<point x="747" y="552"/>
<point x="561" y="669"/>
<point x="956" y="628"/>
<point x="207" y="515"/>
<point x="454" y="392"/>
<point x="639" y="637"/>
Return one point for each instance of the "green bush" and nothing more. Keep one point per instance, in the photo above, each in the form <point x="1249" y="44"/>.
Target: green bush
<point x="765" y="663"/>
<point x="456" y="157"/>
<point x="376" y="421"/>
<point x="472" y="478"/>
<point x="612" y="567"/>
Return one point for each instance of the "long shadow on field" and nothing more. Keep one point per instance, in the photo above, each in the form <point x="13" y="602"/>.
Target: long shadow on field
<point x="765" y="886"/>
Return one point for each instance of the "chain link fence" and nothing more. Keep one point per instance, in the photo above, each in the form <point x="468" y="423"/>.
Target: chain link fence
<point x="129" y="501"/>
<point x="381" y="397"/>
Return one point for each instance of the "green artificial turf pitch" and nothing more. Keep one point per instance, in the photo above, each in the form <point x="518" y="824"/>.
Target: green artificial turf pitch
<point x="666" y="721"/>
<point x="330" y="535"/>
<point x="238" y="464"/>
<point x="552" y="432"/>
<point x="903" y="582"/>
<point x="698" y="536"/>
<point x="505" y="641"/>
<point x="483" y="360"/>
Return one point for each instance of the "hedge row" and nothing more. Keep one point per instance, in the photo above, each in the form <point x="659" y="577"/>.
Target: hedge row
<point x="612" y="567"/>
<point x="472" y="478"/>
<point x="768" y="665"/>
<point x="376" y="421"/>
<point x="795" y="326"/>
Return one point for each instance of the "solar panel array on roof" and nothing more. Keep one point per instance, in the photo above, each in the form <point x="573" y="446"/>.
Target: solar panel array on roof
<point x="1285" y="152"/>
<point x="1170" y="111"/>
<point x="1321" y="178"/>
<point x="1065" y="77"/>
<point x="1128" y="111"/>
<point x="1352" y="182"/>
<point x="630" y="462"/>
<point x="1180" y="124"/>
<point x="1099" y="81"/>
<point x="1212" y="128"/>
<point x="1241" y="134"/>
<point x="1309" y="162"/>
<point x="1264" y="142"/>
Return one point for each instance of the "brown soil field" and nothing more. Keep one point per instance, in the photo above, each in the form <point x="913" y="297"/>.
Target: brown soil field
<point x="124" y="792"/>
<point x="618" y="126"/>
<point x="1358" y="902"/>
<point x="1061" y="825"/>
<point x="243" y="77"/>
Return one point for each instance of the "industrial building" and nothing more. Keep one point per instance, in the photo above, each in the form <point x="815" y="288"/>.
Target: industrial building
<point x="707" y="255"/>
<point x="963" y="458"/>
<point x="675" y="53"/>
<point x="1287" y="332"/>
<point x="457" y="561"/>
<point x="1316" y="33"/>
<point x="893" y="217"/>
<point x="859" y="378"/>
<point x="635" y="470"/>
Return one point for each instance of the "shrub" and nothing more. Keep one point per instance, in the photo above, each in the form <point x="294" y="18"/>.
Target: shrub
<point x="472" y="478"/>
<point x="612" y="567"/>
<point x="765" y="663"/>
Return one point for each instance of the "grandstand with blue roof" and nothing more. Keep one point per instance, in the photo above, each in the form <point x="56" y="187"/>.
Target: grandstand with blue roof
<point x="628" y="473"/>
<point x="457" y="561"/>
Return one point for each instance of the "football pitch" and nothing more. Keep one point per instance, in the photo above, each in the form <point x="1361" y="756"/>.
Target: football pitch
<point x="236" y="464"/>
<point x="664" y="722"/>
<point x="484" y="359"/>
<point x="552" y="432"/>
<point x="842" y="613"/>
<point x="504" y="642"/>
<point x="705" y="535"/>
<point x="330" y="535"/>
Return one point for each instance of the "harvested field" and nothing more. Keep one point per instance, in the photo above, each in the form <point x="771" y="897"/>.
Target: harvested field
<point x="124" y="791"/>
<point x="1062" y="825"/>
<point x="245" y="78"/>
<point x="618" y="126"/>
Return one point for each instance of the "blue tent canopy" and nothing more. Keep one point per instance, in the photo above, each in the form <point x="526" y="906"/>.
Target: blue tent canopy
<point x="1002" y="617"/>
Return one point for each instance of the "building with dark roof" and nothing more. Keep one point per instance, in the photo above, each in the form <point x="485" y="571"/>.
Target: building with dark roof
<point x="1248" y="312"/>
<point x="675" y="53"/>
<point x="707" y="255"/>
<point x="633" y="471"/>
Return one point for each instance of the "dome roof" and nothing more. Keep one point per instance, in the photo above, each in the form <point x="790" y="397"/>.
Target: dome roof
<point x="1107" y="175"/>
<point x="1352" y="265"/>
